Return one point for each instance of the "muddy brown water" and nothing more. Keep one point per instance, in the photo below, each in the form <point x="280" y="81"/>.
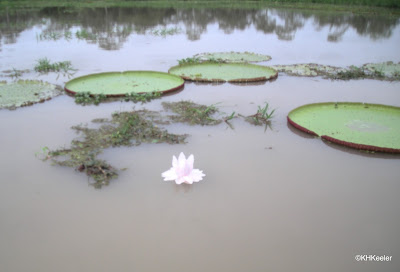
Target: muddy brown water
<point x="274" y="200"/>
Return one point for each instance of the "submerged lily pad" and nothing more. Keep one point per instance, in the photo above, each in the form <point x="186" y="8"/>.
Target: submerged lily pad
<point x="221" y="72"/>
<point x="122" y="83"/>
<point x="308" y="69"/>
<point x="381" y="71"/>
<point x="239" y="57"/>
<point x="369" y="127"/>
<point x="26" y="92"/>
<point x="385" y="69"/>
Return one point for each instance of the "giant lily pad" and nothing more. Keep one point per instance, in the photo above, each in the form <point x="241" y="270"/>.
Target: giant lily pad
<point x="233" y="57"/>
<point x="26" y="92"/>
<point x="362" y="126"/>
<point x="221" y="72"/>
<point x="121" y="83"/>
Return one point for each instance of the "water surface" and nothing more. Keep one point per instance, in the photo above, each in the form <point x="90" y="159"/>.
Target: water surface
<point x="274" y="200"/>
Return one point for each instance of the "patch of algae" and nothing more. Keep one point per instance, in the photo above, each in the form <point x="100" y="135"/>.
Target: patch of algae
<point x="26" y="92"/>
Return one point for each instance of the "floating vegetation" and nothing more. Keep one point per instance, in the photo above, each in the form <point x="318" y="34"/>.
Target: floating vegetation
<point x="45" y="66"/>
<point x="15" y="73"/>
<point x="362" y="126"/>
<point x="87" y="98"/>
<point x="26" y="92"/>
<point x="192" y="113"/>
<point x="163" y="32"/>
<point x="308" y="70"/>
<point x="236" y="57"/>
<point x="83" y="34"/>
<point x="132" y="129"/>
<point x="54" y="35"/>
<point x="142" y="97"/>
<point x="222" y="72"/>
<point x="380" y="71"/>
<point x="122" y="83"/>
<point x="123" y="129"/>
<point x="353" y="72"/>
<point x="193" y="60"/>
<point x="388" y="70"/>
<point x="262" y="116"/>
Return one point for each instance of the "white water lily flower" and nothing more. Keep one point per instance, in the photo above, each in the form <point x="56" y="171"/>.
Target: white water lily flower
<point x="182" y="170"/>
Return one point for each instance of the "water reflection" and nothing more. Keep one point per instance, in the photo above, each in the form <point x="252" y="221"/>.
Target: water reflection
<point x="110" y="27"/>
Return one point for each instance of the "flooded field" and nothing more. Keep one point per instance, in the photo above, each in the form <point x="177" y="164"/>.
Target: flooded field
<point x="273" y="199"/>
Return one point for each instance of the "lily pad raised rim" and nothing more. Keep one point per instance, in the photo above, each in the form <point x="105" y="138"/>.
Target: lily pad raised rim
<point x="178" y="87"/>
<point x="354" y="145"/>
<point x="236" y="80"/>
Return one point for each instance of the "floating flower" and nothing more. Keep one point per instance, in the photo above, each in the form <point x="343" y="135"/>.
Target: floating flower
<point x="182" y="170"/>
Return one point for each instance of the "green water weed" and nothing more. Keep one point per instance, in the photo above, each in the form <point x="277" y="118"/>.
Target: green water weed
<point x="83" y="34"/>
<point x="44" y="65"/>
<point x="262" y="116"/>
<point x="192" y="113"/>
<point x="192" y="60"/>
<point x="123" y="129"/>
<point x="163" y="32"/>
<point x="142" y="97"/>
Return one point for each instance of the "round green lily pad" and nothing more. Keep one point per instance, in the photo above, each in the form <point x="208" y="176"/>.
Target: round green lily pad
<point x="25" y="93"/>
<point x="239" y="57"/>
<point x="221" y="72"/>
<point x="362" y="126"/>
<point x="121" y="83"/>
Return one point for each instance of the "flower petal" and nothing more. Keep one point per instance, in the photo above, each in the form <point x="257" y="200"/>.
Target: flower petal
<point x="188" y="179"/>
<point x="179" y="180"/>
<point x="189" y="164"/>
<point x="181" y="160"/>
<point x="197" y="175"/>
<point x="174" y="161"/>
<point x="169" y="175"/>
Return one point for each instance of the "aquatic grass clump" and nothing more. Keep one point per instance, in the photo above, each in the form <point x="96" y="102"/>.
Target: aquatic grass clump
<point x="45" y="66"/>
<point x="26" y="92"/>
<point x="192" y="113"/>
<point x="54" y="35"/>
<point x="83" y="34"/>
<point x="262" y="116"/>
<point x="123" y="129"/>
<point x="15" y="73"/>
<point x="163" y="32"/>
